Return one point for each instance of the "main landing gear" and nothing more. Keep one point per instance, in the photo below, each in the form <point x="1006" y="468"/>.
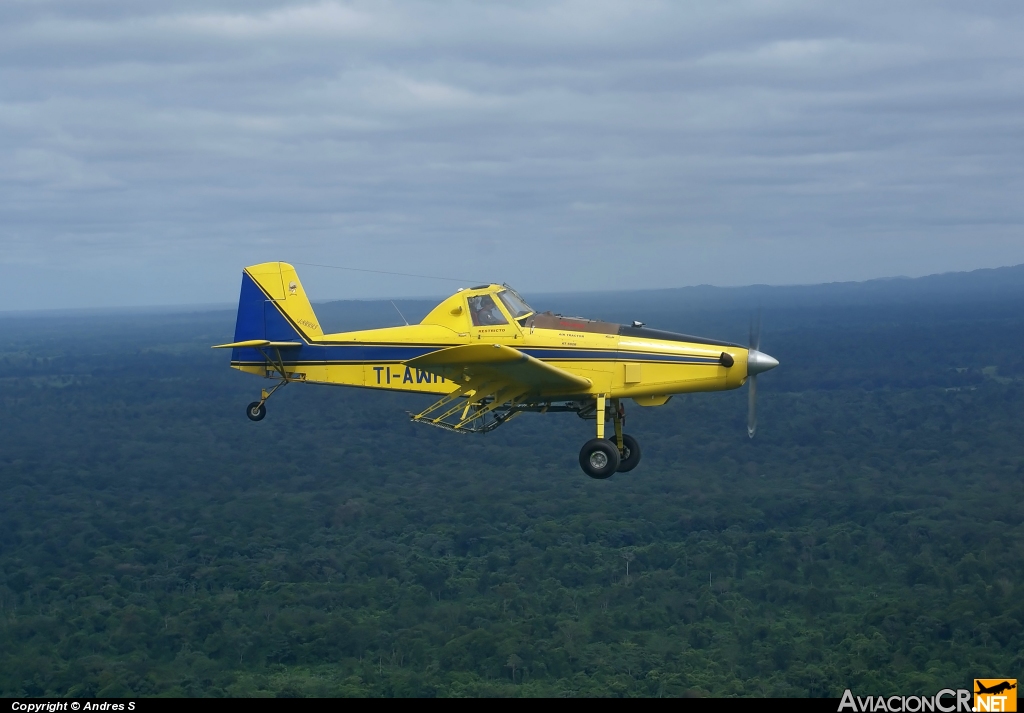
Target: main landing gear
<point x="600" y="457"/>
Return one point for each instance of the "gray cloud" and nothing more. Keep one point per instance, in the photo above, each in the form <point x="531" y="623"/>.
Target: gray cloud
<point x="148" y="152"/>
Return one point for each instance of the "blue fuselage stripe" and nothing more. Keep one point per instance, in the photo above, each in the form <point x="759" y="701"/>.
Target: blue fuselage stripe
<point x="364" y="353"/>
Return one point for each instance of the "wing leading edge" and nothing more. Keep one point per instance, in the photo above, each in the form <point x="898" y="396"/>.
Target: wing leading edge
<point x="257" y="343"/>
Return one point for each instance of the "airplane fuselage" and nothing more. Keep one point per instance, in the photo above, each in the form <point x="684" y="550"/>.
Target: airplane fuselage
<point x="620" y="361"/>
<point x="491" y="358"/>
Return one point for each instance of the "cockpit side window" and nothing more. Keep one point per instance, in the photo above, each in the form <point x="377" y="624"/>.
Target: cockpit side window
<point x="515" y="304"/>
<point x="485" y="312"/>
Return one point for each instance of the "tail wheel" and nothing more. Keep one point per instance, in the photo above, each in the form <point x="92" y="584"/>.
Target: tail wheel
<point x="256" y="411"/>
<point x="630" y="456"/>
<point x="599" y="458"/>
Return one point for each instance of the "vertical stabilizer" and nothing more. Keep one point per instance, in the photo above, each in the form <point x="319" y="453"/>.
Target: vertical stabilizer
<point x="272" y="305"/>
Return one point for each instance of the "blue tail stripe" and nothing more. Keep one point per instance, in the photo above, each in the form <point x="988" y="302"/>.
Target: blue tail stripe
<point x="250" y="321"/>
<point x="259" y="318"/>
<point x="278" y="328"/>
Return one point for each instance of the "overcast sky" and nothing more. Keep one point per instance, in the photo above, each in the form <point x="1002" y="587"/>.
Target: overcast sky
<point x="150" y="150"/>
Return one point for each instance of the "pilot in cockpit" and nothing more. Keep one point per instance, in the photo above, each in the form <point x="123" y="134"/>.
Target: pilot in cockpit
<point x="484" y="312"/>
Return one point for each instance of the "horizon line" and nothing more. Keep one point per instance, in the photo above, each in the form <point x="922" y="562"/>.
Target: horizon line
<point x="193" y="307"/>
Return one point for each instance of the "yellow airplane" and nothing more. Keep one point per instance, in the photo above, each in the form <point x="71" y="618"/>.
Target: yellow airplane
<point x="489" y="357"/>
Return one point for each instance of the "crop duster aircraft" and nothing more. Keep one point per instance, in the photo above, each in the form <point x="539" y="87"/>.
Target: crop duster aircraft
<point x="489" y="357"/>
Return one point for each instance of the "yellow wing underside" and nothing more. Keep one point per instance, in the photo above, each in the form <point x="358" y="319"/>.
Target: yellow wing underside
<point x="493" y="372"/>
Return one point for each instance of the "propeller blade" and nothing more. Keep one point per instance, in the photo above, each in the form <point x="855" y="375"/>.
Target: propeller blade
<point x="752" y="406"/>
<point x="755" y="331"/>
<point x="756" y="363"/>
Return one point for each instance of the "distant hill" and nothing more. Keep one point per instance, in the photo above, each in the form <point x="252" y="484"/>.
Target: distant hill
<point x="955" y="287"/>
<point x="704" y="307"/>
<point x="696" y="309"/>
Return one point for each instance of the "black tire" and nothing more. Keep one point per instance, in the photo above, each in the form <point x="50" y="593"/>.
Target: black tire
<point x="256" y="411"/>
<point x="630" y="457"/>
<point x="599" y="458"/>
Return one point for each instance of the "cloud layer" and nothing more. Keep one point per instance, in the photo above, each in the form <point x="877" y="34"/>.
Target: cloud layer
<point x="149" y="151"/>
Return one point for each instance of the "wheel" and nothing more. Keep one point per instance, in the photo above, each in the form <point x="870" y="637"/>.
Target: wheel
<point x="256" y="411"/>
<point x="630" y="456"/>
<point x="599" y="458"/>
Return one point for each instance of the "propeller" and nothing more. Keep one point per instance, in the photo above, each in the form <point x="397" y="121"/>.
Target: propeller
<point x="757" y="362"/>
<point x="753" y="343"/>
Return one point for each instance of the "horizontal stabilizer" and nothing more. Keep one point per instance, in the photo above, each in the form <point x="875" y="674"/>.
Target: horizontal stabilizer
<point x="502" y="364"/>
<point x="258" y="343"/>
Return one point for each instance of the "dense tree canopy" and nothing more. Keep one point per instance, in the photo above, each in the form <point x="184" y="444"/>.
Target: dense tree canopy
<point x="154" y="541"/>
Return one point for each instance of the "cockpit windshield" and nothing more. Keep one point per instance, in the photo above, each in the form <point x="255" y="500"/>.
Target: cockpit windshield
<point x="515" y="304"/>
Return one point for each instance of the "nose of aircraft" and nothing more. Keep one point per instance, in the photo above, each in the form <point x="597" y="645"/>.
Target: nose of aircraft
<point x="758" y="362"/>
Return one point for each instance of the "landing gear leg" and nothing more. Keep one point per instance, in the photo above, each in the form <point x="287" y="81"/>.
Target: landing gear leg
<point x="619" y="419"/>
<point x="629" y="449"/>
<point x="599" y="458"/>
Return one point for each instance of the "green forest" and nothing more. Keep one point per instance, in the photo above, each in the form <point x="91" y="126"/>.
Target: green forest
<point x="154" y="541"/>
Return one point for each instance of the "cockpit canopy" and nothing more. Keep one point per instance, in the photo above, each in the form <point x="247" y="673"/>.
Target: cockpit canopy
<point x="485" y="313"/>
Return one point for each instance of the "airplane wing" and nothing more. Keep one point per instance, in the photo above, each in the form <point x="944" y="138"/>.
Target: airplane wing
<point x="257" y="343"/>
<point x="501" y="365"/>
